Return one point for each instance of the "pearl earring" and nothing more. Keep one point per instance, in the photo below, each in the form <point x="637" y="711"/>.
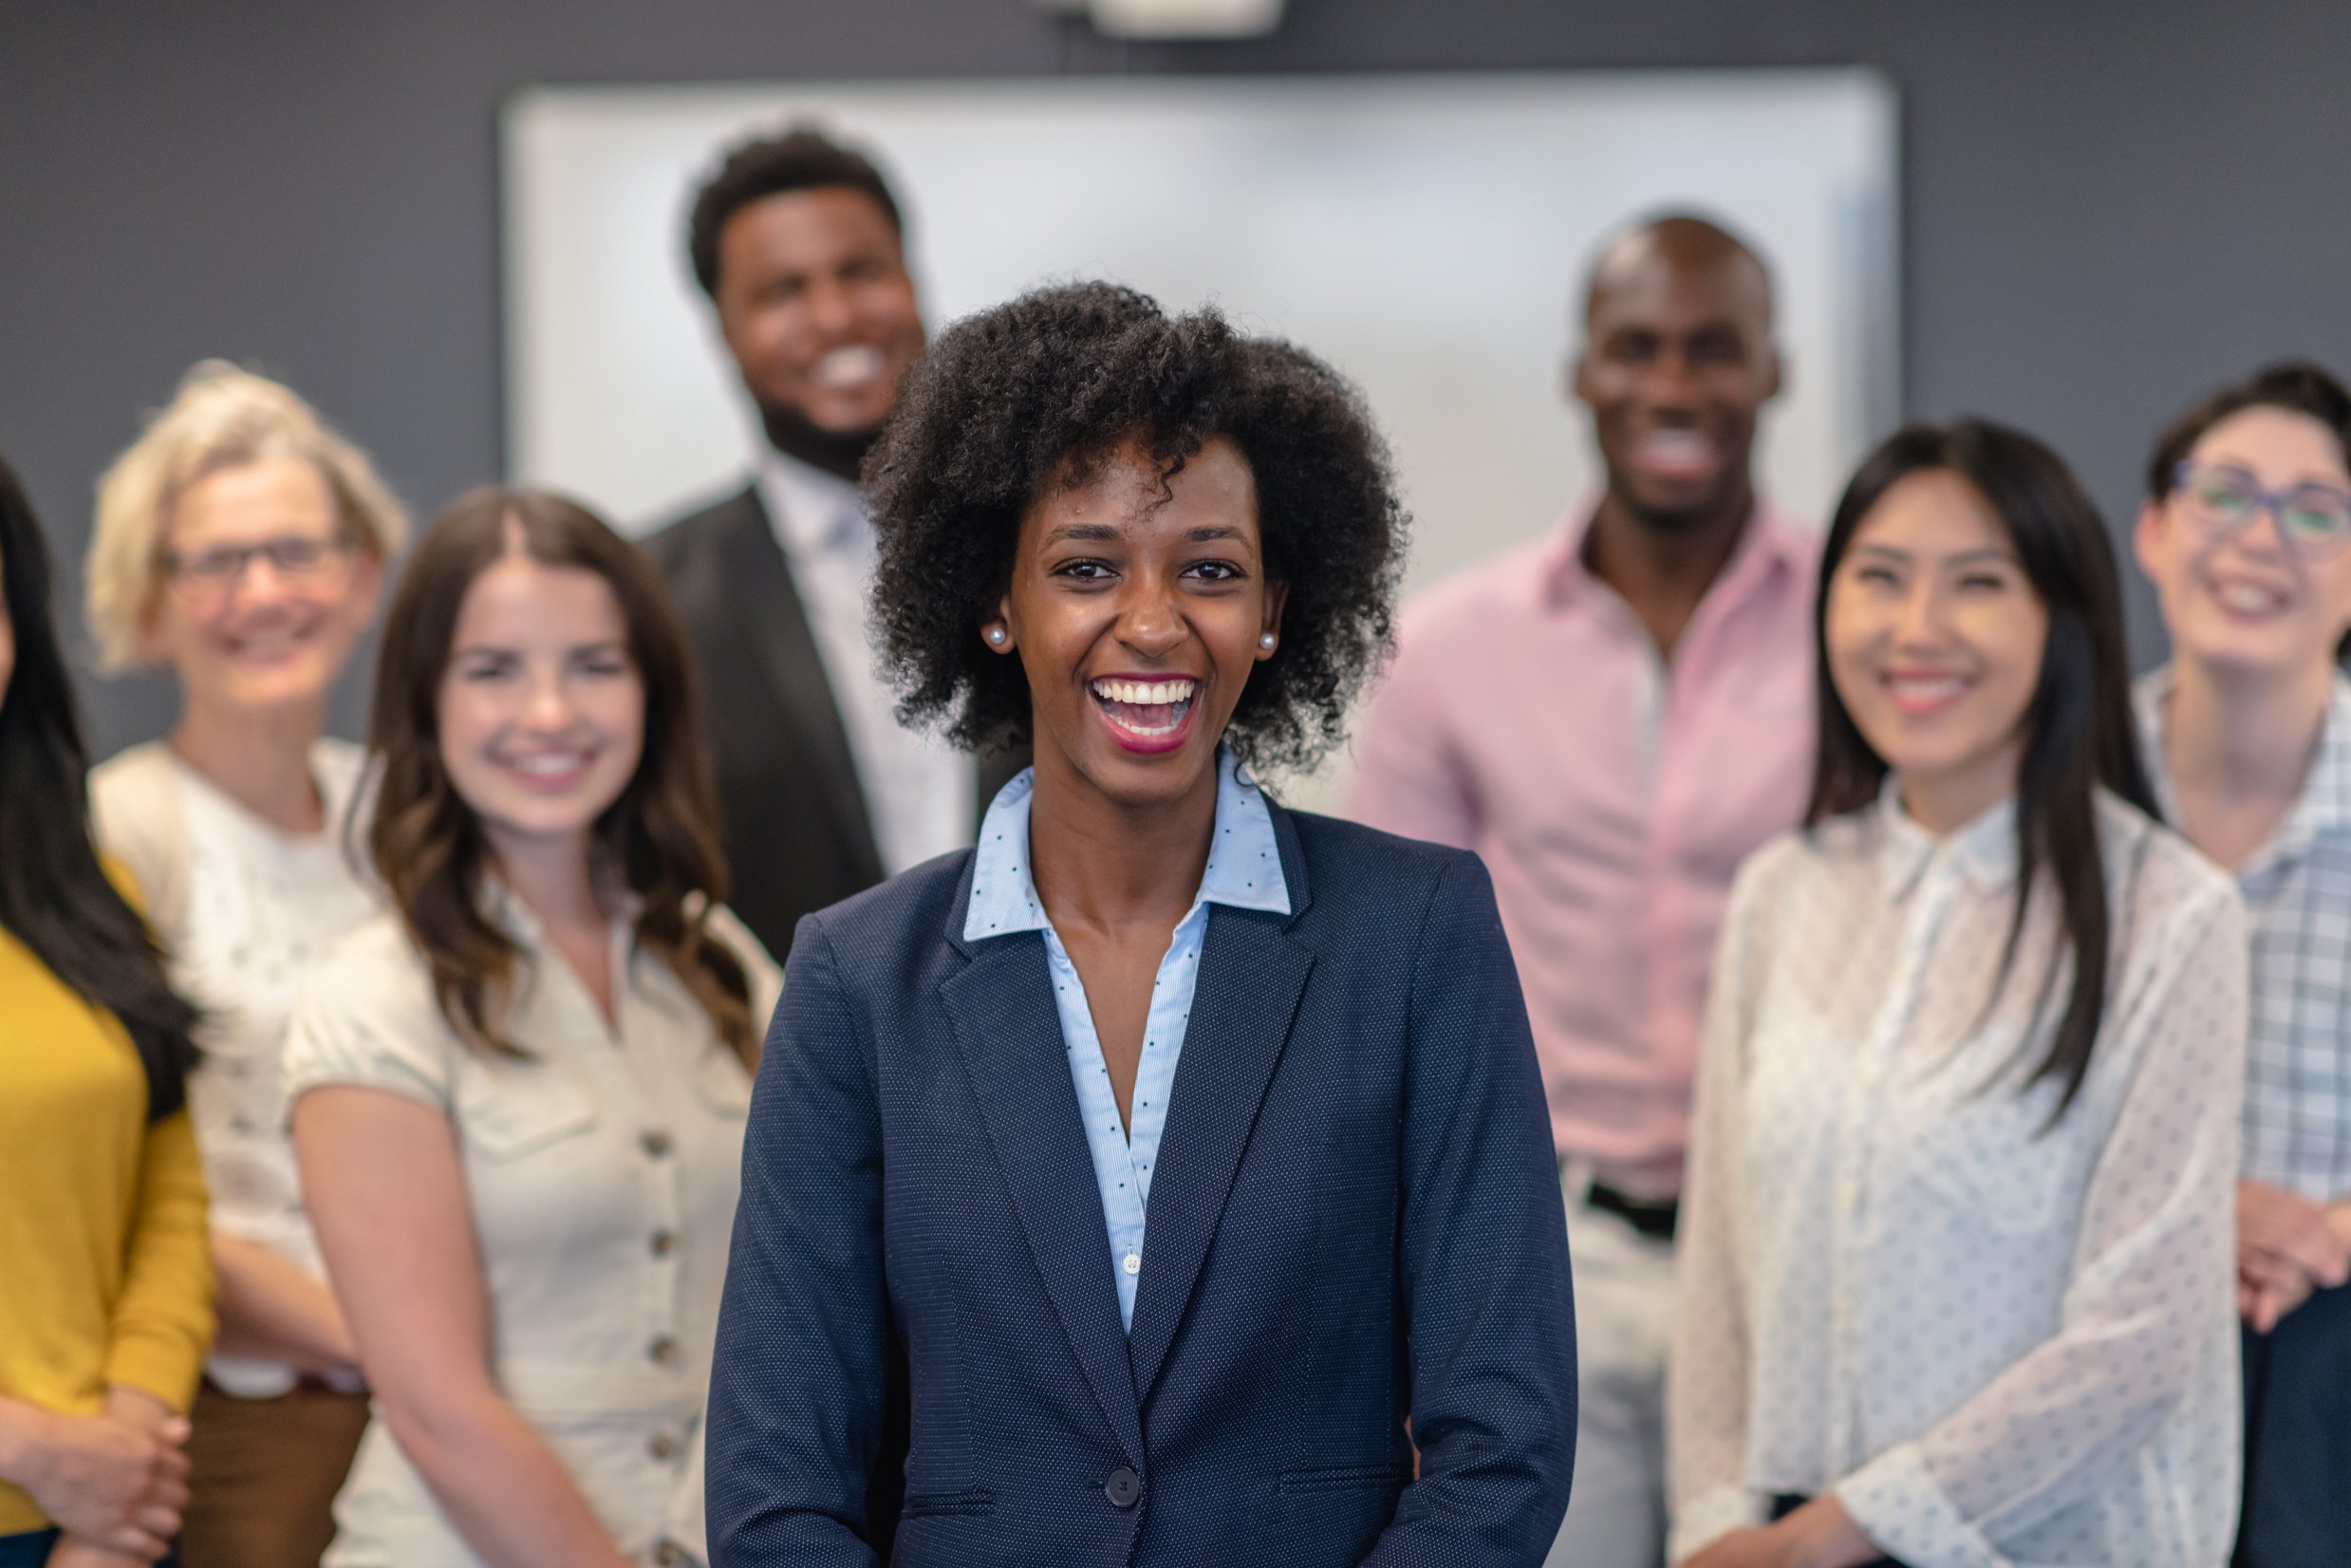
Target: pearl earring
<point x="1266" y="641"/>
<point x="996" y="635"/>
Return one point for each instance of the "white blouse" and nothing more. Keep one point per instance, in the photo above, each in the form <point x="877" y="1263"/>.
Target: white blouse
<point x="601" y="1175"/>
<point x="244" y="910"/>
<point x="1996" y="1340"/>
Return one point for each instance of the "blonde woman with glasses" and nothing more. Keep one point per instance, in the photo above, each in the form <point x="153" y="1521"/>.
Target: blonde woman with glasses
<point x="240" y="544"/>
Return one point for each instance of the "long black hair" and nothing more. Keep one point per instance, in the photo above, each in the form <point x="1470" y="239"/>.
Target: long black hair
<point x="54" y="896"/>
<point x="2080" y="732"/>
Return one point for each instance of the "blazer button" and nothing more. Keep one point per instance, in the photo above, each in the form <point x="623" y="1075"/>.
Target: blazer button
<point x="1123" y="1487"/>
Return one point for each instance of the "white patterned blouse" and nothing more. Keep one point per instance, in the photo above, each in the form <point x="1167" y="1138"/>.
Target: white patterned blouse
<point x="1997" y="1339"/>
<point x="245" y="911"/>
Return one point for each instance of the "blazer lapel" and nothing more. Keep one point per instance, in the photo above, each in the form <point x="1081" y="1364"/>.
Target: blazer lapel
<point x="1010" y="1035"/>
<point x="1252" y="973"/>
<point x="767" y="601"/>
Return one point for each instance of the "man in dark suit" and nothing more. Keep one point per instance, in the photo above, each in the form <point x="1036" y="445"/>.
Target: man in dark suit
<point x="800" y="244"/>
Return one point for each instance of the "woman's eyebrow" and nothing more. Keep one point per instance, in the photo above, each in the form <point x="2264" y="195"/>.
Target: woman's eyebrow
<point x="1089" y="531"/>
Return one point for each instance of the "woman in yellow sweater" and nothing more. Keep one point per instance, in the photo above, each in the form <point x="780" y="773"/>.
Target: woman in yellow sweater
<point x="108" y="1303"/>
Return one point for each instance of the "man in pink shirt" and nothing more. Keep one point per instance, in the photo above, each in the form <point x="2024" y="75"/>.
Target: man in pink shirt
<point x="1614" y="716"/>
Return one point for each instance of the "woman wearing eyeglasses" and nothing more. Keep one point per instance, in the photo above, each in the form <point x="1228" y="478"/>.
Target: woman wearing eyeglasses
<point x="240" y="544"/>
<point x="2246" y="537"/>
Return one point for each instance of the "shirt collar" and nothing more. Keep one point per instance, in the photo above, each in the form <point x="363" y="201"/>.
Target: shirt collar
<point x="1983" y="850"/>
<point x="1769" y="545"/>
<point x="2324" y="805"/>
<point x="812" y="512"/>
<point x="1243" y="871"/>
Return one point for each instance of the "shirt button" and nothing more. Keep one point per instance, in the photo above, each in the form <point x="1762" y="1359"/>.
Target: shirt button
<point x="654" y="1142"/>
<point x="1132" y="1263"/>
<point x="1123" y="1487"/>
<point x="661" y="1241"/>
<point x="664" y="1350"/>
<point x="662" y="1446"/>
<point x="669" y="1555"/>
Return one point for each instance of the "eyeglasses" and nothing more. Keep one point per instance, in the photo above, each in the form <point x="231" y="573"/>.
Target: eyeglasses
<point x="295" y="557"/>
<point x="2313" y="519"/>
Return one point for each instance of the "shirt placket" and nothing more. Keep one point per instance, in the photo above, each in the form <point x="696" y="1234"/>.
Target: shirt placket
<point x="1862" y="1127"/>
<point x="1123" y="1205"/>
<point x="660" y="1154"/>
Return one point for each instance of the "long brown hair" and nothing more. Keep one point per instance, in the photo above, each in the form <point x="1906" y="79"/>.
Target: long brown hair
<point x="657" y="839"/>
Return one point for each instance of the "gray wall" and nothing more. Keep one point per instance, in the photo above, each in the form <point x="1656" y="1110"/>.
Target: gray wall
<point x="2106" y="205"/>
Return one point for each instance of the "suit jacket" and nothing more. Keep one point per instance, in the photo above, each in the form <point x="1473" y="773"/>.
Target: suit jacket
<point x="1356" y="1219"/>
<point x="791" y="808"/>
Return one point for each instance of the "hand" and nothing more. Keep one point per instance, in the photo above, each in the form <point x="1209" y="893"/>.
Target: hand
<point x="2267" y="1290"/>
<point x="2286" y="1246"/>
<point x="2287" y="1226"/>
<point x="75" y="1552"/>
<point x="141" y="1411"/>
<point x="1755" y="1546"/>
<point x="115" y="1485"/>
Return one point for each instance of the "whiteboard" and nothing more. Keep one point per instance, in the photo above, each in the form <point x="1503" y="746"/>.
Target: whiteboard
<point x="1427" y="235"/>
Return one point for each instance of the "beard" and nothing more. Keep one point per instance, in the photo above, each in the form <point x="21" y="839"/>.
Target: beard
<point x="839" y="452"/>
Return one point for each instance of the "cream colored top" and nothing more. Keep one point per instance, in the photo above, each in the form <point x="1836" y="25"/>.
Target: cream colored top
<point x="603" y="1175"/>
<point x="1999" y="1342"/>
<point x="244" y="911"/>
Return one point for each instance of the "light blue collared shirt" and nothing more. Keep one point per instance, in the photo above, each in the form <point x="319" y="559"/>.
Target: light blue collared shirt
<point x="1243" y="872"/>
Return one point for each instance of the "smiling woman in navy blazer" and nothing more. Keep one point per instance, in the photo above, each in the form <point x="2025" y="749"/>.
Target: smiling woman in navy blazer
<point x="1191" y="1151"/>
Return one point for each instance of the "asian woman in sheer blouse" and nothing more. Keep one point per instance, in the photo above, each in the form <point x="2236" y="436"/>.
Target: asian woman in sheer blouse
<point x="1956" y="1257"/>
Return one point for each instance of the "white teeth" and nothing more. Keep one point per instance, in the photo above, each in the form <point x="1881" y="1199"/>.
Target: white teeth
<point x="847" y="367"/>
<point x="2246" y="599"/>
<point x="1928" y="687"/>
<point x="1145" y="693"/>
<point x="547" y="767"/>
<point x="1675" y="443"/>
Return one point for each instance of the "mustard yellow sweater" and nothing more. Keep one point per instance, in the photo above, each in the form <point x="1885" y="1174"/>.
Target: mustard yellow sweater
<point x="105" y="1266"/>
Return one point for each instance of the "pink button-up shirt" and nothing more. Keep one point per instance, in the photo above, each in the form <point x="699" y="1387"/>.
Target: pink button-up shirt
<point x="1529" y="717"/>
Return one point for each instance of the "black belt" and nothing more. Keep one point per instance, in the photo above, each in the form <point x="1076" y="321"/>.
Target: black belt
<point x="1652" y="1216"/>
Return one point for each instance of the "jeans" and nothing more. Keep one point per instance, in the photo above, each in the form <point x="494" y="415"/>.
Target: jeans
<point x="27" y="1551"/>
<point x="2298" y="1438"/>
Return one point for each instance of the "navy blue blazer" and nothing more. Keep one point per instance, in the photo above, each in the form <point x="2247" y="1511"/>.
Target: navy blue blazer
<point x="1356" y="1219"/>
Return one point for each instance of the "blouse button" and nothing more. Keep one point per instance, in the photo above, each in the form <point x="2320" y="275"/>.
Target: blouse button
<point x="662" y="1446"/>
<point x="661" y="1241"/>
<point x="655" y="1143"/>
<point x="664" y="1350"/>
<point x="669" y="1555"/>
<point x="1132" y="1263"/>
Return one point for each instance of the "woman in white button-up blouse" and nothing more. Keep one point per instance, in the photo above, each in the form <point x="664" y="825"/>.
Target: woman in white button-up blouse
<point x="519" y="1094"/>
<point x="1956" y="1252"/>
